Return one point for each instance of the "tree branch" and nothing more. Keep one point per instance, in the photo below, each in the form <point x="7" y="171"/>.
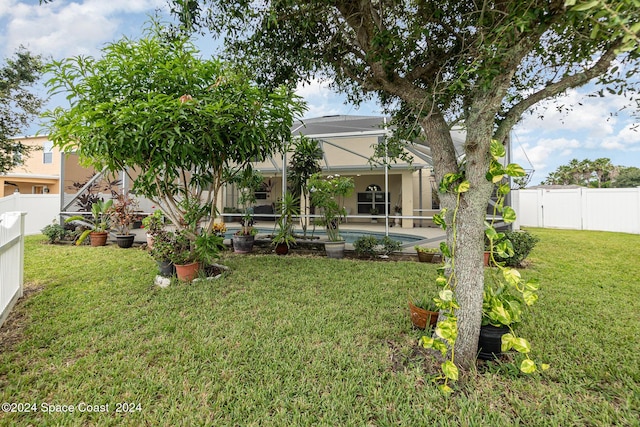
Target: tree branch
<point x="554" y="89"/>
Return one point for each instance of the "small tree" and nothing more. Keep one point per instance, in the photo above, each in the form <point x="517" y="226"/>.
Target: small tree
<point x="180" y="126"/>
<point x="18" y="106"/>
<point x="305" y="161"/>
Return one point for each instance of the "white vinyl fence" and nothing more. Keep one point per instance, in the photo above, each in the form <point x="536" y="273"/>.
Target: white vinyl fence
<point x="604" y="209"/>
<point x="41" y="209"/>
<point x="11" y="260"/>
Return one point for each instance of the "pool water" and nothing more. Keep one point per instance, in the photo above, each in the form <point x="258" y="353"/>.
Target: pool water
<point x="349" y="236"/>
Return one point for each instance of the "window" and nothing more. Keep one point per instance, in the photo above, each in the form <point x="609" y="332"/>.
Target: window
<point x="47" y="155"/>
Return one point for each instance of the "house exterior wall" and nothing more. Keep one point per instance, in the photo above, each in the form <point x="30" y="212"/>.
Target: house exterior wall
<point x="39" y="173"/>
<point x="349" y="156"/>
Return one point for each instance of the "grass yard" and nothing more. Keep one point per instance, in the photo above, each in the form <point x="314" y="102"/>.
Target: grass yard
<point x="305" y="341"/>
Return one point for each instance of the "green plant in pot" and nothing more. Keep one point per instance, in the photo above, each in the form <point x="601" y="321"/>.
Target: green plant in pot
<point x="374" y="212"/>
<point x="423" y="312"/>
<point x="164" y="246"/>
<point x="328" y="194"/>
<point x="190" y="252"/>
<point x="248" y="183"/>
<point x="505" y="291"/>
<point x="288" y="206"/>
<point x="153" y="224"/>
<point x="427" y="254"/>
<point x="122" y="214"/>
<point x="98" y="222"/>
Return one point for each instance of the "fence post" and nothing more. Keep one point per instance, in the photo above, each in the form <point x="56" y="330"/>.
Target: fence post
<point x="11" y="258"/>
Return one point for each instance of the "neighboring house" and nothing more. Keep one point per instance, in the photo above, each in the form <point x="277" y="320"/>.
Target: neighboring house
<point x="45" y="170"/>
<point x="39" y="173"/>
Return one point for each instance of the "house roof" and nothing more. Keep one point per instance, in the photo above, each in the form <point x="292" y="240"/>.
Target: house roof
<point x="346" y="126"/>
<point x="340" y="125"/>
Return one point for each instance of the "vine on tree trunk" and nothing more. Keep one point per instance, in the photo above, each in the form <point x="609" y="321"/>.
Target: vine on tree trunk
<point x="504" y="297"/>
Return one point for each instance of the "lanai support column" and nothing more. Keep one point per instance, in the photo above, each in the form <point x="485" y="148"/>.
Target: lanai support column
<point x="407" y="198"/>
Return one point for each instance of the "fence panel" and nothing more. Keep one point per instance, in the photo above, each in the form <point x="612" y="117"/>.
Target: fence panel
<point x="41" y="209"/>
<point x="612" y="209"/>
<point x="11" y="260"/>
<point x="603" y="209"/>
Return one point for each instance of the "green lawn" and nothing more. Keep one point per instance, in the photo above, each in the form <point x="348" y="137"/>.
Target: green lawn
<point x="307" y="341"/>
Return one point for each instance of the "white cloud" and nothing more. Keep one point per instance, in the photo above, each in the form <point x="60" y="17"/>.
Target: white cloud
<point x="627" y="139"/>
<point x="322" y="101"/>
<point x="62" y="28"/>
<point x="575" y="112"/>
<point x="538" y="153"/>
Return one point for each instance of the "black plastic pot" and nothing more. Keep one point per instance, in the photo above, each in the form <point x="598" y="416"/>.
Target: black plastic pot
<point x="490" y="342"/>
<point x="125" y="240"/>
<point x="166" y="268"/>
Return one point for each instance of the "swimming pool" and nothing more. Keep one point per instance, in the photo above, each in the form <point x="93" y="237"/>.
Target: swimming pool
<point x="349" y="236"/>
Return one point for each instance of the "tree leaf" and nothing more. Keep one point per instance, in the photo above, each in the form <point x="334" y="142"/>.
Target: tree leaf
<point x="585" y="6"/>
<point x="528" y="366"/>
<point x="514" y="169"/>
<point x="450" y="370"/>
<point x="508" y="214"/>
<point x="497" y="150"/>
<point x="463" y="187"/>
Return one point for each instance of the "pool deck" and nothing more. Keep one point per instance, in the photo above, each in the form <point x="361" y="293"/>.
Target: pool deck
<point x="431" y="236"/>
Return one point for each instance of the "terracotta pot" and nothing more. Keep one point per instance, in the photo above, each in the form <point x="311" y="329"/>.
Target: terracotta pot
<point x="282" y="249"/>
<point x="124" y="240"/>
<point x="187" y="272"/>
<point x="490" y="342"/>
<point x="98" y="238"/>
<point x="425" y="256"/>
<point x="487" y="257"/>
<point x="420" y="316"/>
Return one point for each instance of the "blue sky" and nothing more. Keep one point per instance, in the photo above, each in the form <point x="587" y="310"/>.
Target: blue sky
<point x="67" y="28"/>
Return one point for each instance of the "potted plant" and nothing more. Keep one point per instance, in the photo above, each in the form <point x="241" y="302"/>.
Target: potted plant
<point x="397" y="210"/>
<point x="163" y="247"/>
<point x="99" y="223"/>
<point x="244" y="239"/>
<point x="288" y="206"/>
<point x="328" y="194"/>
<point x="423" y="312"/>
<point x="153" y="224"/>
<point x="219" y="229"/>
<point x="426" y="254"/>
<point x="190" y="252"/>
<point x="122" y="213"/>
<point x="502" y="307"/>
<point x="374" y="212"/>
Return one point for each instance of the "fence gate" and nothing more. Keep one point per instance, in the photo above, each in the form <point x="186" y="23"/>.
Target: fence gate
<point x="11" y="261"/>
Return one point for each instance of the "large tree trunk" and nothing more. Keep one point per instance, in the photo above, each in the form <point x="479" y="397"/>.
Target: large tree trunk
<point x="468" y="240"/>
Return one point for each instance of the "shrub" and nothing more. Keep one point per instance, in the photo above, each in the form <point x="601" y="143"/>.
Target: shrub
<point x="523" y="242"/>
<point x="54" y="232"/>
<point x="370" y="246"/>
<point x="365" y="246"/>
<point x="389" y="245"/>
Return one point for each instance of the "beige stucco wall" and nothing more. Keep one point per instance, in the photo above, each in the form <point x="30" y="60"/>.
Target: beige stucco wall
<point x="34" y="176"/>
